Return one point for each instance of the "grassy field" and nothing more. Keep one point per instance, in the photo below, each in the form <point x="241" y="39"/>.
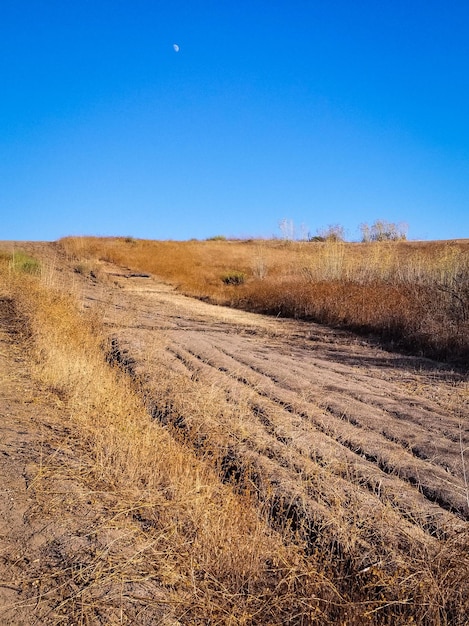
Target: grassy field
<point x="210" y="543"/>
<point x="414" y="295"/>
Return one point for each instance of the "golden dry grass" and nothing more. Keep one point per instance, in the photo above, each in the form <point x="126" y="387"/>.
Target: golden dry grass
<point x="414" y="295"/>
<point x="211" y="546"/>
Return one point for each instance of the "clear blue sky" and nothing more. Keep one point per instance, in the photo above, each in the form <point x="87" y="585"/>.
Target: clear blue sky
<point x="321" y="112"/>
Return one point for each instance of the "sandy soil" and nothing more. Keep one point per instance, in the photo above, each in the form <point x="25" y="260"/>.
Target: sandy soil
<point x="322" y="416"/>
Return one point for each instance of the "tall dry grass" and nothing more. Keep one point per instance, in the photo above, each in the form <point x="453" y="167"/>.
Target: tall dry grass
<point x="412" y="295"/>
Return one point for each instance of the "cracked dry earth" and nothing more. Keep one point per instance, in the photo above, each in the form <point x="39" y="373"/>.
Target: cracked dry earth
<point x="319" y="421"/>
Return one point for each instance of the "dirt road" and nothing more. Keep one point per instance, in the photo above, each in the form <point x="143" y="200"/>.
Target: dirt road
<point x="298" y="403"/>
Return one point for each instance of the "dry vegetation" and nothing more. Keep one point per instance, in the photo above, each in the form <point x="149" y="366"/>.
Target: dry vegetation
<point x="206" y="546"/>
<point x="223" y="541"/>
<point x="413" y="295"/>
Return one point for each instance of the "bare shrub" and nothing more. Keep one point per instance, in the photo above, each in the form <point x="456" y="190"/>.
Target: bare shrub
<point x="287" y="229"/>
<point x="381" y="230"/>
<point x="333" y="233"/>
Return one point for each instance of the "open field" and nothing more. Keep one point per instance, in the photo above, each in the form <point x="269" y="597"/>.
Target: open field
<point x="258" y="470"/>
<point x="414" y="295"/>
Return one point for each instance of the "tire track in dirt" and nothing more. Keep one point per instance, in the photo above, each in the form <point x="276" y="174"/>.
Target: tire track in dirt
<point x="314" y="500"/>
<point x="311" y="502"/>
<point x="396" y="422"/>
<point x="321" y="436"/>
<point x="433" y="482"/>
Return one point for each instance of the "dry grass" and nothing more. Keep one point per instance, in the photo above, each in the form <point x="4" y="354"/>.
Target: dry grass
<point x="413" y="295"/>
<point x="211" y="546"/>
<point x="208" y="546"/>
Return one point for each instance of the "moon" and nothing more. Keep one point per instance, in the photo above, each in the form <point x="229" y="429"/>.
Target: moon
<point x="175" y="47"/>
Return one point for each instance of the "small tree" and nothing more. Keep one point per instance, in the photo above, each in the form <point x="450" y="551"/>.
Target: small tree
<point x="287" y="229"/>
<point x="381" y="230"/>
<point x="366" y="232"/>
<point x="304" y="233"/>
<point x="333" y="233"/>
